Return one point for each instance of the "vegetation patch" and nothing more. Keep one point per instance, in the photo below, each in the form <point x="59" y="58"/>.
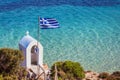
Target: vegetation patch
<point x="68" y="70"/>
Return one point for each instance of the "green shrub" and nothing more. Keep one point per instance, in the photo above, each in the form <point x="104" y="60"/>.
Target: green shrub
<point x="1" y="77"/>
<point x="114" y="76"/>
<point x="59" y="78"/>
<point x="10" y="77"/>
<point x="68" y="70"/>
<point x="74" y="68"/>
<point x="10" y="61"/>
<point x="117" y="73"/>
<point x="103" y="75"/>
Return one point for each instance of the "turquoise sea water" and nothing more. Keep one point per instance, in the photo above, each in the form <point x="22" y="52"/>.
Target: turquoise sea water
<point x="89" y="34"/>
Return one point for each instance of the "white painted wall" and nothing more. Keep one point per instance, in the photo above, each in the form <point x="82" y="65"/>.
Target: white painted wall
<point x="27" y="50"/>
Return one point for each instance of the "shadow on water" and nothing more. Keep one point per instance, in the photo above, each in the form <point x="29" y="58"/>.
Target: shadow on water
<point x="25" y="3"/>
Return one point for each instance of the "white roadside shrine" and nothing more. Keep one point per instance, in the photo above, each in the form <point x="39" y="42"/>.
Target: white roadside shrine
<point x="33" y="51"/>
<point x="33" y="55"/>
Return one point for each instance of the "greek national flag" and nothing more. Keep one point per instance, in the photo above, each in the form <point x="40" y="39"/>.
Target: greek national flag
<point x="48" y="23"/>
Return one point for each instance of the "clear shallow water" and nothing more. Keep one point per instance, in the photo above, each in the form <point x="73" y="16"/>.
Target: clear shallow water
<point x="88" y="34"/>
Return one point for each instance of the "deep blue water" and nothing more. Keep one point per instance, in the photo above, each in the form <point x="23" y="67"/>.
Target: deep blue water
<point x="89" y="33"/>
<point x="14" y="4"/>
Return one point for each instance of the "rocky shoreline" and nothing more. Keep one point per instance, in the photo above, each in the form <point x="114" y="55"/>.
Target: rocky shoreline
<point x="90" y="75"/>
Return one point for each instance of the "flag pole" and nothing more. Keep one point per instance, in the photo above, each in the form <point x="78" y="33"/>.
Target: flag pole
<point x="38" y="41"/>
<point x="38" y="28"/>
<point x="38" y="31"/>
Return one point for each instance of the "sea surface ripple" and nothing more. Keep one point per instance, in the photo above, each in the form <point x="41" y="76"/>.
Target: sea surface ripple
<point x="89" y="32"/>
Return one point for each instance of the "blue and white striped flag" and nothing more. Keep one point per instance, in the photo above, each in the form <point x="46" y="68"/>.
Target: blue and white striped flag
<point x="48" y="23"/>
